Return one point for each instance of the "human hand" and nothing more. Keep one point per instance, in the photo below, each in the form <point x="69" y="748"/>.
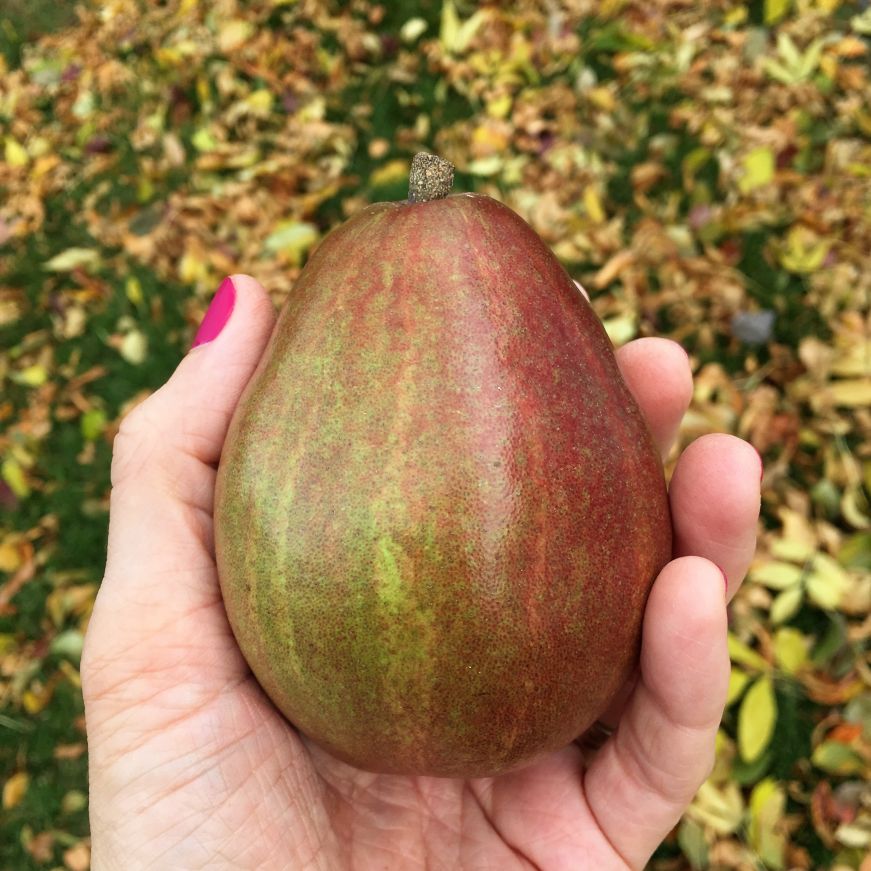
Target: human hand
<point x="192" y="767"/>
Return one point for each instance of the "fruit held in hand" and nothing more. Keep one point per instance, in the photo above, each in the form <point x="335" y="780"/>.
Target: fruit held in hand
<point x="439" y="510"/>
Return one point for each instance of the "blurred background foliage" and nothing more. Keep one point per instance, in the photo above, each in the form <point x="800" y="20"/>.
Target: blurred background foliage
<point x="703" y="168"/>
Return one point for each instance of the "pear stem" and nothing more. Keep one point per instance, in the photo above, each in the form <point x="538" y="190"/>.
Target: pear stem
<point x="431" y="178"/>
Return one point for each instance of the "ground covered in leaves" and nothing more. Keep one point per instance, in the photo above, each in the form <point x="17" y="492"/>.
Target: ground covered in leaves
<point x="703" y="168"/>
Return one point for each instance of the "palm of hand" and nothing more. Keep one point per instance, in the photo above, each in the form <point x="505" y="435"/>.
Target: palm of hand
<point x="218" y="776"/>
<point x="192" y="767"/>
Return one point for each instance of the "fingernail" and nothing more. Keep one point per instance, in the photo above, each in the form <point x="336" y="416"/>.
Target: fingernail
<point x="218" y="314"/>
<point x="725" y="581"/>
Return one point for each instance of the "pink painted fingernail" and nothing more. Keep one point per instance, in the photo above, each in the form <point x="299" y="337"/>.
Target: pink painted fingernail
<point x="725" y="580"/>
<point x="218" y="314"/>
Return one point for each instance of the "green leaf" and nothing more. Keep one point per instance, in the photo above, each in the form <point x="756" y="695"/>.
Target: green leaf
<point x="68" y="645"/>
<point x="13" y="474"/>
<point x="786" y="605"/>
<point x="203" y="140"/>
<point x="767" y="806"/>
<point x="691" y="840"/>
<point x="790" y="649"/>
<point x="837" y="758"/>
<point x="738" y="681"/>
<point x="756" y="719"/>
<point x="740" y="653"/>
<point x="775" y="10"/>
<point x="93" y="424"/>
<point x="776" y="575"/>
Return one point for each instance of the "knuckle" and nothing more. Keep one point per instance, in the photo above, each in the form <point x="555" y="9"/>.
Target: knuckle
<point x="137" y="438"/>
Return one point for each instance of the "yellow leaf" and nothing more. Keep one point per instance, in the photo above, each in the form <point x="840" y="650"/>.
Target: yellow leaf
<point x="15" y="154"/>
<point x="488" y="139"/>
<point x="13" y="475"/>
<point x="133" y="289"/>
<point x="804" y="253"/>
<point x="73" y="801"/>
<point x="740" y="653"/>
<point x="293" y="239"/>
<point x="392" y="172"/>
<point x="797" y="542"/>
<point x="776" y="575"/>
<point x="413" y="29"/>
<point x="485" y="166"/>
<point x="720" y="806"/>
<point x="738" y="680"/>
<point x="450" y="25"/>
<point x="602" y="97"/>
<point x="758" y="169"/>
<point x="15" y="789"/>
<point x="827" y="583"/>
<point x="192" y="267"/>
<point x="593" y="205"/>
<point x="37" y="697"/>
<point x="234" y="33"/>
<point x="856" y="835"/>
<point x="854" y="507"/>
<point x="756" y="719"/>
<point x="853" y="359"/>
<point x="774" y="10"/>
<point x="499" y="107"/>
<point x="203" y="140"/>
<point x="790" y="649"/>
<point x="621" y="329"/>
<point x="10" y="553"/>
<point x="73" y="258"/>
<point x="31" y="376"/>
<point x="134" y="347"/>
<point x="786" y="605"/>
<point x="854" y="393"/>
<point x="260" y="101"/>
<point x="767" y="806"/>
<point x="455" y="34"/>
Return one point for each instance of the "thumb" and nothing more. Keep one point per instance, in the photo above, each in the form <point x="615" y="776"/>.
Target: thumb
<point x="160" y="582"/>
<point x="184" y="423"/>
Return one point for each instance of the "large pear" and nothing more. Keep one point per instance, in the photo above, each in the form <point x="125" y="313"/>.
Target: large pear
<point x="439" y="510"/>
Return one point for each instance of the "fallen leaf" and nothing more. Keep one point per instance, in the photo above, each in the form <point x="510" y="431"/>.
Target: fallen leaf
<point x="757" y="717"/>
<point x="73" y="258"/>
<point x="766" y="834"/>
<point x="15" y="789"/>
